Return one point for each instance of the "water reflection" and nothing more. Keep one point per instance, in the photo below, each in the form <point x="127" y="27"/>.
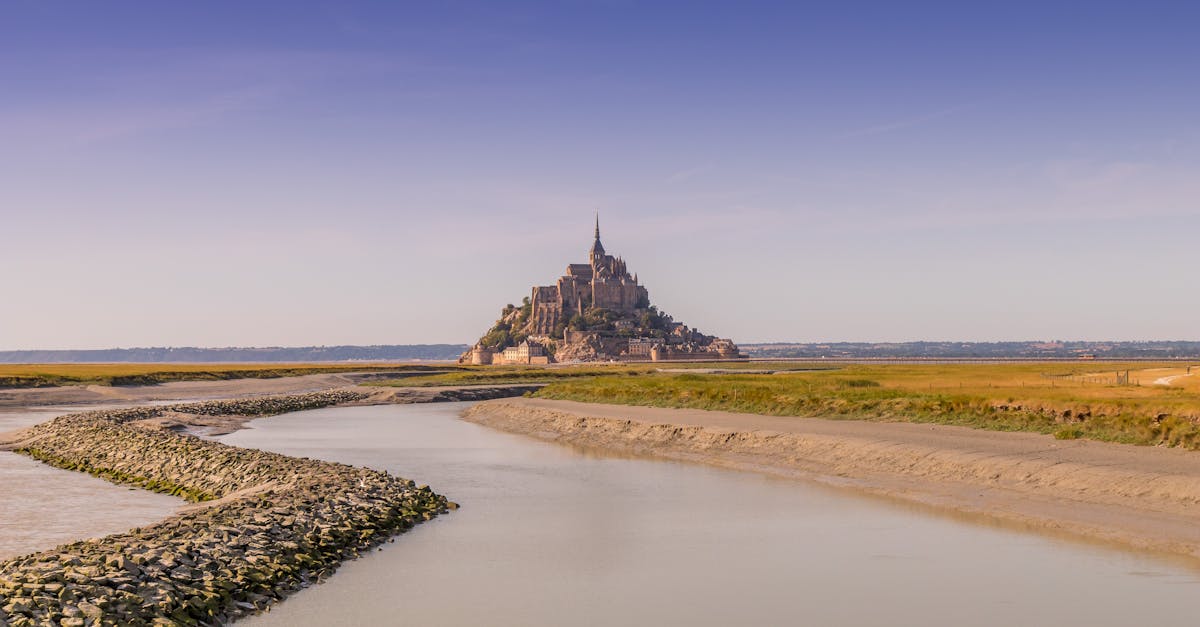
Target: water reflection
<point x="549" y="536"/>
<point x="42" y="506"/>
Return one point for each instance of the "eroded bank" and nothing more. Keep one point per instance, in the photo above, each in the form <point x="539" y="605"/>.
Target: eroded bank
<point x="1139" y="496"/>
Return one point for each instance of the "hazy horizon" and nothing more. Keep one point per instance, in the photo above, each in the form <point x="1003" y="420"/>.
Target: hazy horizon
<point x="293" y="174"/>
<point x="470" y="342"/>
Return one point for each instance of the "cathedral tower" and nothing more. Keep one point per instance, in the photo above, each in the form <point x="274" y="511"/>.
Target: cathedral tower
<point x="597" y="251"/>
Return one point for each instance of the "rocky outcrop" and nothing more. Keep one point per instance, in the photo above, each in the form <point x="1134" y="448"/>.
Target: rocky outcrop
<point x="597" y="311"/>
<point x="589" y="347"/>
<point x="269" y="524"/>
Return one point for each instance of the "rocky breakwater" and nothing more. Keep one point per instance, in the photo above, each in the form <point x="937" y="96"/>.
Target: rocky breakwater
<point x="452" y="394"/>
<point x="265" y="524"/>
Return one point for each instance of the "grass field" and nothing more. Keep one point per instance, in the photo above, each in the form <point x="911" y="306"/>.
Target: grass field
<point x="491" y="375"/>
<point x="1159" y="404"/>
<point x="1088" y="400"/>
<point x="44" y="375"/>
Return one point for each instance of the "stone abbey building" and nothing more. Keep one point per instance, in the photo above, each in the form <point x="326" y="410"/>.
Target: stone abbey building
<point x="596" y="311"/>
<point x="603" y="282"/>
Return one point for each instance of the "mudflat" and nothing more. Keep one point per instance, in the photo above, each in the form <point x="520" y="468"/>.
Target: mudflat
<point x="175" y="390"/>
<point x="1145" y="497"/>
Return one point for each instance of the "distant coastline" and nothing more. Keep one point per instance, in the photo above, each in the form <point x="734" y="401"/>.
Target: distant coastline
<point x="1024" y="350"/>
<point x="191" y="354"/>
<point x="1031" y="350"/>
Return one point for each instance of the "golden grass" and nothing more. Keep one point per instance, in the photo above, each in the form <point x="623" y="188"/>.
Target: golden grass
<point x="40" y="375"/>
<point x="1066" y="399"/>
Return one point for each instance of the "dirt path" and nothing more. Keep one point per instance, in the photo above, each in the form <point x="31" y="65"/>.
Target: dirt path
<point x="1145" y="497"/>
<point x="1169" y="380"/>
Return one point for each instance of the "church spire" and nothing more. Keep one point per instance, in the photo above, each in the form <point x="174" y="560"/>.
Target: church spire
<point x="597" y="251"/>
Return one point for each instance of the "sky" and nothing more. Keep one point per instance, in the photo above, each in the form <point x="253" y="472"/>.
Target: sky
<point x="299" y="173"/>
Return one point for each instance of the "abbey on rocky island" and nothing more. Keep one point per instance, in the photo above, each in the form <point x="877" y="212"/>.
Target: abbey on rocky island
<point x="597" y="311"/>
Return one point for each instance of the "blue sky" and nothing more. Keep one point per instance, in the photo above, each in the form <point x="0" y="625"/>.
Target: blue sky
<point x="386" y="172"/>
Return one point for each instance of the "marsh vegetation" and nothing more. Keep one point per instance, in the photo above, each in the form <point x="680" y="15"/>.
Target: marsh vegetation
<point x="1066" y="400"/>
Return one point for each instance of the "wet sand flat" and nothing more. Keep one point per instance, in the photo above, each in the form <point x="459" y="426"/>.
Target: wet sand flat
<point x="175" y="390"/>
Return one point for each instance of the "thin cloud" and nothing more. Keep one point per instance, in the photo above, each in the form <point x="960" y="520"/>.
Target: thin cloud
<point x="880" y="129"/>
<point x="684" y="175"/>
<point x="133" y="122"/>
<point x="135" y="95"/>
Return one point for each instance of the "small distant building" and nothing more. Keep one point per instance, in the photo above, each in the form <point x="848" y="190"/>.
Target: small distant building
<point x="641" y="346"/>
<point x="481" y="356"/>
<point x="724" y="348"/>
<point x="656" y="350"/>
<point x="524" y="353"/>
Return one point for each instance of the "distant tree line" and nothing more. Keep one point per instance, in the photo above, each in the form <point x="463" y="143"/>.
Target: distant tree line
<point x="1168" y="349"/>
<point x="387" y="352"/>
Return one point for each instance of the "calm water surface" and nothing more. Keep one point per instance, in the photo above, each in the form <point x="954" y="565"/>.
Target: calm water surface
<point x="42" y="506"/>
<point x="549" y="535"/>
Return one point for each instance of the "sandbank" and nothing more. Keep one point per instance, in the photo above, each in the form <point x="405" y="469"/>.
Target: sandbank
<point x="1144" y="497"/>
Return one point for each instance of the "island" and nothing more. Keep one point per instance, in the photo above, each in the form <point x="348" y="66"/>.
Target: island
<point x="596" y="311"/>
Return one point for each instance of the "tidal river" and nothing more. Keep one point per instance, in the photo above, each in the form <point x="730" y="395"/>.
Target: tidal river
<point x="550" y="535"/>
<point x="42" y="506"/>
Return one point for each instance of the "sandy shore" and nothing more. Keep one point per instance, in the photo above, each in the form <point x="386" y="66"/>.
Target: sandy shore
<point x="175" y="390"/>
<point x="96" y="395"/>
<point x="1147" y="498"/>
